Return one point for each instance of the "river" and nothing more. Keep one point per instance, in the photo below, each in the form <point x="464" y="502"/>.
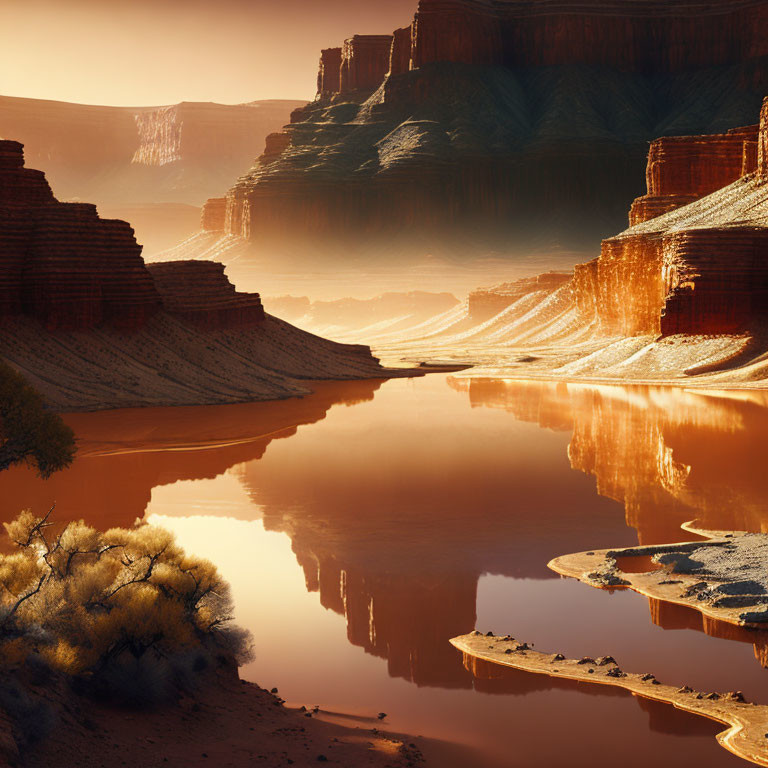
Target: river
<point x="364" y="526"/>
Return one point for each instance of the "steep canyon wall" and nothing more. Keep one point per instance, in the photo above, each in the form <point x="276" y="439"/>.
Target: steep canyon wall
<point x="695" y="258"/>
<point x="93" y="327"/>
<point x="64" y="266"/>
<point x="493" y="123"/>
<point x="61" y="263"/>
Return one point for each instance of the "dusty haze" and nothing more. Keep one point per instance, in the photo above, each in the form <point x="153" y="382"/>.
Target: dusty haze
<point x="164" y="51"/>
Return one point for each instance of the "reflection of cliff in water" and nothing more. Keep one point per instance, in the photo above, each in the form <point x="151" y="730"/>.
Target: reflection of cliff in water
<point x="395" y="537"/>
<point x="669" y="455"/>
<point x="123" y="455"/>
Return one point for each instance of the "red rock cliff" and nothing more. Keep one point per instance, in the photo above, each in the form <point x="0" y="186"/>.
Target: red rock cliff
<point x="718" y="280"/>
<point x="200" y="293"/>
<point x="682" y="169"/>
<point x="63" y="265"/>
<point x="644" y="35"/>
<point x="510" y="122"/>
<point x="400" y="56"/>
<point x="697" y="269"/>
<point x="466" y="31"/>
<point x="364" y="62"/>
<point x="214" y="215"/>
<point x="60" y="262"/>
<point x="328" y="77"/>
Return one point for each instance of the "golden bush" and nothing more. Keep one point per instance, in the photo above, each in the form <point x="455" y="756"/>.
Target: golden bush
<point x="83" y="599"/>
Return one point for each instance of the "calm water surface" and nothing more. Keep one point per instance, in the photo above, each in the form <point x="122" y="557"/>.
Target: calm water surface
<point x="364" y="526"/>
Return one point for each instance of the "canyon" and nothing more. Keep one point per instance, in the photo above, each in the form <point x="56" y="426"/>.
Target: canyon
<point x="92" y="326"/>
<point x="153" y="166"/>
<point x="386" y="312"/>
<point x="501" y="126"/>
<point x="680" y="295"/>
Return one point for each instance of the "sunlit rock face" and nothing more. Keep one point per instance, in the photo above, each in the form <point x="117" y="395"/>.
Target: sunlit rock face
<point x="686" y="168"/>
<point x="624" y="288"/>
<point x="694" y="259"/>
<point x="505" y="123"/>
<point x="486" y="303"/>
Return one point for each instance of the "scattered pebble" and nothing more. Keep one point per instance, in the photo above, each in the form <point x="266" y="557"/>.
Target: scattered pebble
<point x="615" y="672"/>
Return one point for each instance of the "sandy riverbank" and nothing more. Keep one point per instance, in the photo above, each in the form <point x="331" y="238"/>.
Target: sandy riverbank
<point x="224" y="722"/>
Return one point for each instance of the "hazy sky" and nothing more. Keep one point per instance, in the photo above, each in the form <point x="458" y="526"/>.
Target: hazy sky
<point x="152" y="52"/>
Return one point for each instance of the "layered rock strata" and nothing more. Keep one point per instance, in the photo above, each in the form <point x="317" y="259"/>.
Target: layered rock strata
<point x="650" y="34"/>
<point x="400" y="56"/>
<point x="199" y="293"/>
<point x="700" y="268"/>
<point x="499" y="124"/>
<point x="61" y="263"/>
<point x="329" y="73"/>
<point x="486" y="303"/>
<point x="214" y="215"/>
<point x="93" y="327"/>
<point x="686" y="168"/>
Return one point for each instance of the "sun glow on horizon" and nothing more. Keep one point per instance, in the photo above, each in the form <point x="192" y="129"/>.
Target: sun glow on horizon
<point x="156" y="53"/>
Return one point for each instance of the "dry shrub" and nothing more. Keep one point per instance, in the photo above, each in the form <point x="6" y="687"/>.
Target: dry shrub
<point x="28" y="432"/>
<point x="127" y="611"/>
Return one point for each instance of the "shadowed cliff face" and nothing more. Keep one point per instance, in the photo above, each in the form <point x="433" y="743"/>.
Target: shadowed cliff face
<point x="500" y="125"/>
<point x="93" y="327"/>
<point x="681" y="292"/>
